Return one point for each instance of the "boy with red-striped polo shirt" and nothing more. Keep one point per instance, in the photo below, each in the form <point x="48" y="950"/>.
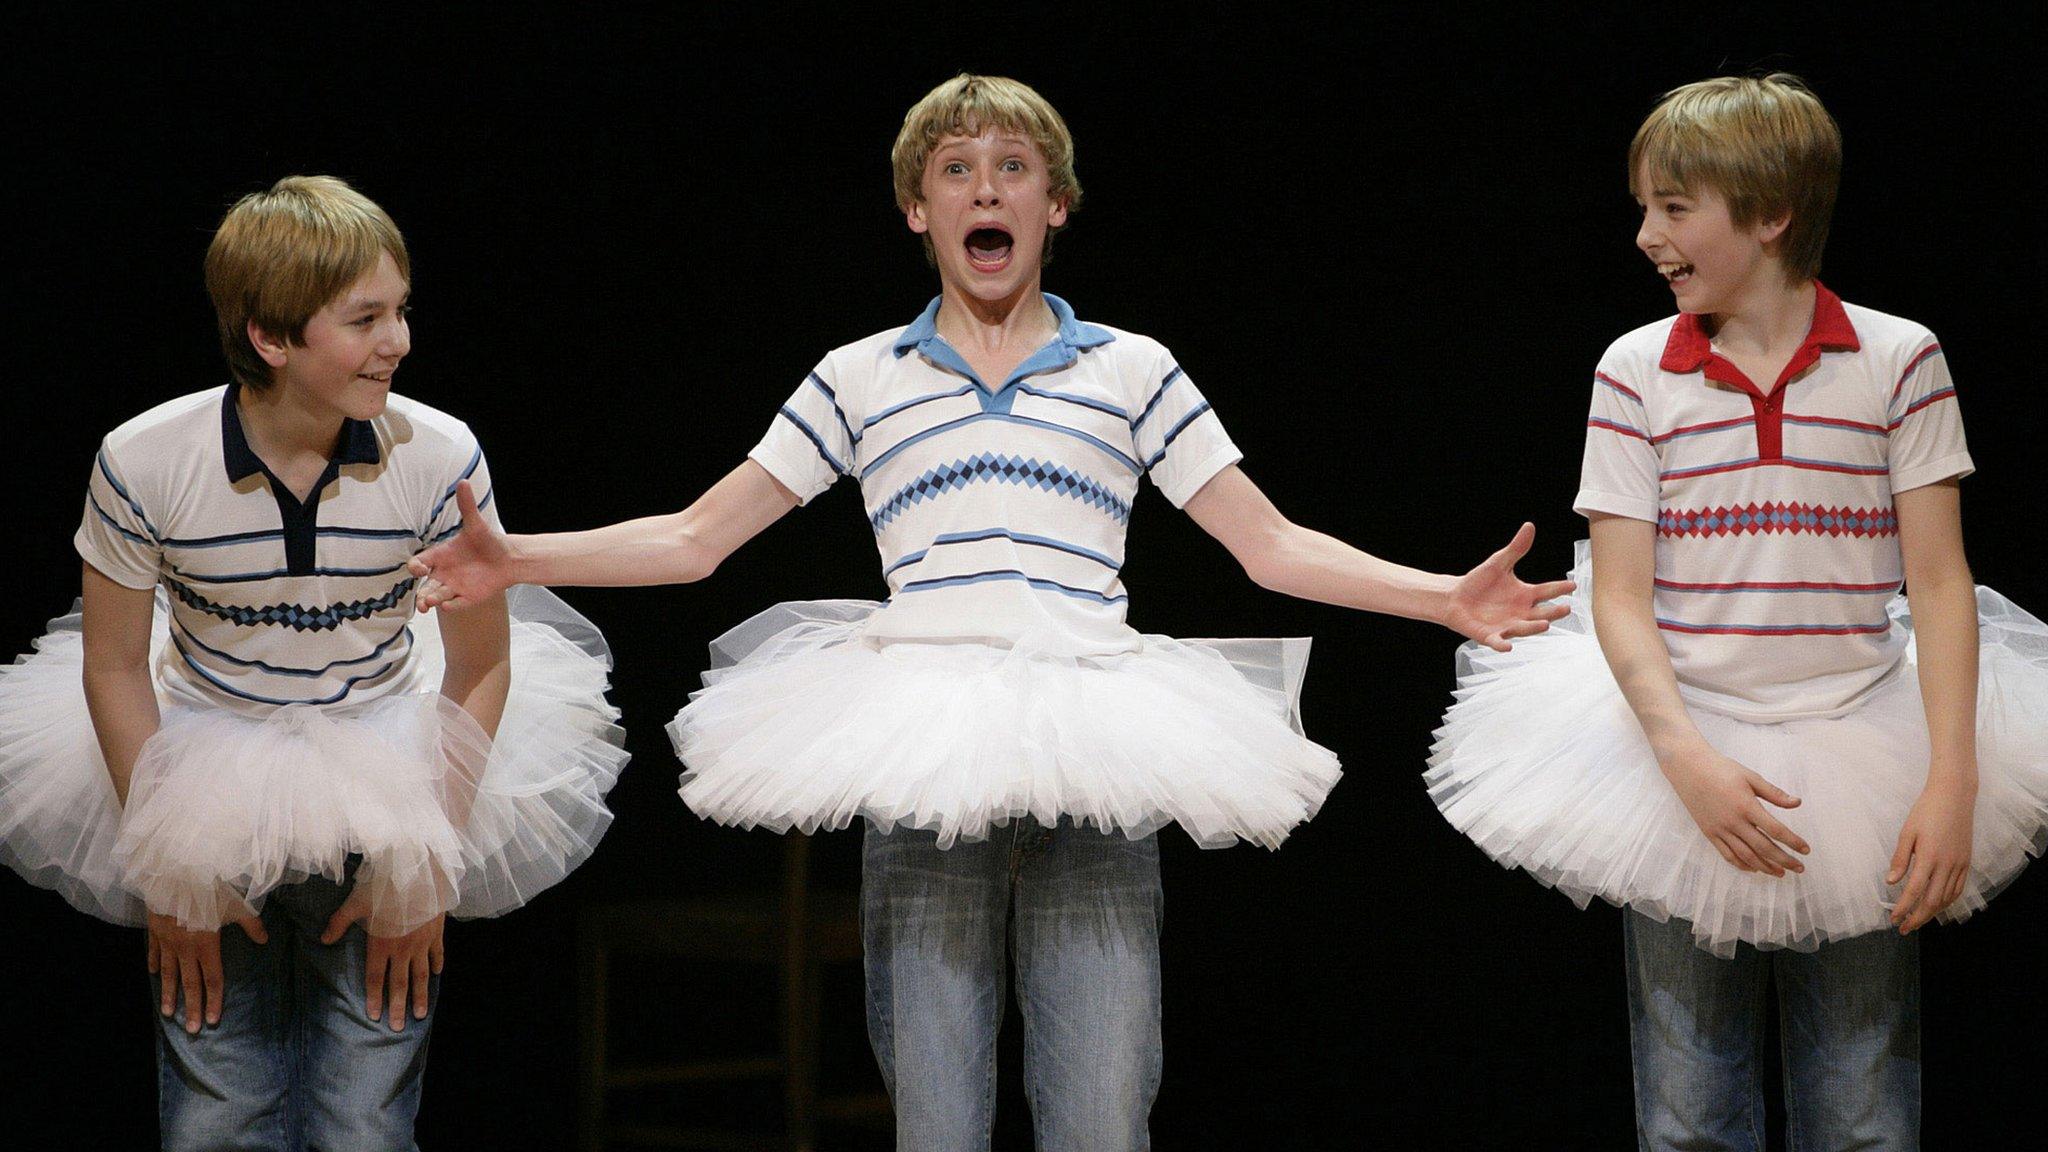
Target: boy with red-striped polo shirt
<point x="1776" y="763"/>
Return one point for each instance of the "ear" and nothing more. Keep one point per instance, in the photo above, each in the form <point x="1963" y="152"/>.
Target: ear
<point x="913" y="215"/>
<point x="1057" y="217"/>
<point x="1769" y="230"/>
<point x="271" y="348"/>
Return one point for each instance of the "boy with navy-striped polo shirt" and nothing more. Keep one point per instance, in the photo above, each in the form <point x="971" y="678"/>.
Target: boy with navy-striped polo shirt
<point x="996" y="716"/>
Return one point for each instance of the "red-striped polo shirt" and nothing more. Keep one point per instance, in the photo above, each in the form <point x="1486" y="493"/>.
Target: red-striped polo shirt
<point x="1777" y="544"/>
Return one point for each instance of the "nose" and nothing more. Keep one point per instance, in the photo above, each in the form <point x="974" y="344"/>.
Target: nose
<point x="985" y="195"/>
<point x="1648" y="235"/>
<point x="397" y="339"/>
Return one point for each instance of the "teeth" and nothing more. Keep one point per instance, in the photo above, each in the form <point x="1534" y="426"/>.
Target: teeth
<point x="1672" y="270"/>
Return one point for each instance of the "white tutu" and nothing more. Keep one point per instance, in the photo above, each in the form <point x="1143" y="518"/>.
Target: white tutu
<point x="1544" y="766"/>
<point x="223" y="807"/>
<point x="811" y="725"/>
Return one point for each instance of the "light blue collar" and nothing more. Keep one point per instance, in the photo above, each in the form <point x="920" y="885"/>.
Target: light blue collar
<point x="1064" y="348"/>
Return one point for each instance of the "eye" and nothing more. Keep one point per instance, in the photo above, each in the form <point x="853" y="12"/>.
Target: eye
<point x="955" y="168"/>
<point x="404" y="311"/>
<point x="1674" y="208"/>
<point x="365" y="322"/>
<point x="1013" y="165"/>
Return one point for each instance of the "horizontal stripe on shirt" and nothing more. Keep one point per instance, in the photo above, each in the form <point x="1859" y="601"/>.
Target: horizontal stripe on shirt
<point x="1774" y="629"/>
<point x="1884" y="588"/>
<point x="1012" y="574"/>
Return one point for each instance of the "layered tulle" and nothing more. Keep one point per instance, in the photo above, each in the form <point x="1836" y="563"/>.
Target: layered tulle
<point x="222" y="808"/>
<point x="1543" y="765"/>
<point x="804" y="723"/>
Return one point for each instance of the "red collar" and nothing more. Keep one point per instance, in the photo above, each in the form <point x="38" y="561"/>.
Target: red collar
<point x="1689" y="348"/>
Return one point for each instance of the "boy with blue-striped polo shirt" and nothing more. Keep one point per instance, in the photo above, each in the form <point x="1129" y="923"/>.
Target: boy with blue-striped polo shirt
<point x="273" y="740"/>
<point x="1010" y="742"/>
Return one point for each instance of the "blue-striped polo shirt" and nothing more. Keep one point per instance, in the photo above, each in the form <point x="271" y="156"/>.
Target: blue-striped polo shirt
<point x="1777" y="543"/>
<point x="275" y="601"/>
<point x="999" y="507"/>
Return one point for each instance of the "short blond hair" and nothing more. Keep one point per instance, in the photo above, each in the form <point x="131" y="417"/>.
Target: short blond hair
<point x="968" y="105"/>
<point x="1766" y="145"/>
<point x="280" y="256"/>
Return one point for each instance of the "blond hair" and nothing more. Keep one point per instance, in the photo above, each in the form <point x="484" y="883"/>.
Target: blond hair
<point x="1766" y="145"/>
<point x="968" y="105"/>
<point x="280" y="256"/>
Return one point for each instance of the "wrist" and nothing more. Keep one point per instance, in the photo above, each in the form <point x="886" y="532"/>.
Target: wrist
<point x="522" y="562"/>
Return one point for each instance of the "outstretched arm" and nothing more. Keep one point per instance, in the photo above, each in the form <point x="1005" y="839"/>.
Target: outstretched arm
<point x="1487" y="604"/>
<point x="678" y="548"/>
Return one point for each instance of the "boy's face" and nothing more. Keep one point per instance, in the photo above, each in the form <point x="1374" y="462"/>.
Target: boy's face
<point x="351" y="347"/>
<point x="1710" y="262"/>
<point x="987" y="207"/>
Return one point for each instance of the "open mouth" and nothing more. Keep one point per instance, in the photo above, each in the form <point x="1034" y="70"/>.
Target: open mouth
<point x="383" y="377"/>
<point x="988" y="248"/>
<point x="1674" y="272"/>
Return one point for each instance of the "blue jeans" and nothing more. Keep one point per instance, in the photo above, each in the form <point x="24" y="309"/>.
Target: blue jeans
<point x="295" y="1064"/>
<point x="1080" y="913"/>
<point x="1849" y="1022"/>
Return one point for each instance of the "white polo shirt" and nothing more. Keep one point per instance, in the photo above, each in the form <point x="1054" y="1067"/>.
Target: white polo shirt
<point x="999" y="510"/>
<point x="1777" y="544"/>
<point x="274" y="602"/>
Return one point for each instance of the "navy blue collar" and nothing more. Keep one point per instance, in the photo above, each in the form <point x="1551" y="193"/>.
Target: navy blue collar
<point x="1075" y="334"/>
<point x="357" y="443"/>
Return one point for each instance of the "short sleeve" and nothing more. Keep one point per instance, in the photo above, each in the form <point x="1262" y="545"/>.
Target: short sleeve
<point x="444" y="518"/>
<point x="1618" y="475"/>
<point x="810" y="444"/>
<point x="1925" y="425"/>
<point x="1179" y="438"/>
<point x="116" y="535"/>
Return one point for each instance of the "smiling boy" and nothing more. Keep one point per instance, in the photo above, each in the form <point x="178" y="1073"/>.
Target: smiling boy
<point x="997" y="719"/>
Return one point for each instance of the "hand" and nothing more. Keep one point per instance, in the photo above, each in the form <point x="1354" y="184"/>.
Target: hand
<point x="1724" y="800"/>
<point x="399" y="964"/>
<point x="466" y="567"/>
<point x="189" y="959"/>
<point x="1936" y="840"/>
<point x="1491" y="605"/>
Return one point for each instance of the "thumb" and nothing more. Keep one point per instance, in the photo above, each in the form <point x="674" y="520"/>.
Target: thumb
<point x="465" y="502"/>
<point x="1771" y="792"/>
<point x="1525" y="537"/>
<point x="252" y="927"/>
<point x="1900" y="856"/>
<point x="352" y="909"/>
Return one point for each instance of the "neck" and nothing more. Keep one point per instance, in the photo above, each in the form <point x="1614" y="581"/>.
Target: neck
<point x="279" y="426"/>
<point x="1020" y="318"/>
<point x="1769" y="317"/>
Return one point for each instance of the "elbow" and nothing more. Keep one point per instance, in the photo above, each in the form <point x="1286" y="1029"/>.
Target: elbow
<point x="694" y="558"/>
<point x="1272" y="561"/>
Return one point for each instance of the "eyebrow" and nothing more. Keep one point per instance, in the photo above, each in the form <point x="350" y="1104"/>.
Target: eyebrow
<point x="370" y="305"/>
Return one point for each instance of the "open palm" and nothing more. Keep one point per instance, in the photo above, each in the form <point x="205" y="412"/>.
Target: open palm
<point x="472" y="564"/>
<point x="1492" y="605"/>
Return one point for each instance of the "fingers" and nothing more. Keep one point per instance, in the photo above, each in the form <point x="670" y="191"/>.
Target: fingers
<point x="252" y="927"/>
<point x="1551" y="612"/>
<point x="1770" y="792"/>
<point x="149" y="948"/>
<point x="191" y="986"/>
<point x="1776" y="860"/>
<point x="352" y="909"/>
<point x="1555" y="589"/>
<point x="418" y="565"/>
<point x="210" y="973"/>
<point x="1945" y="883"/>
<point x="1776" y="830"/>
<point x="374" y="976"/>
<point x="167" y="966"/>
<point x="1745" y="856"/>
<point x="1917" y="882"/>
<point x="420" y="975"/>
<point x="1901" y="856"/>
<point x="437" y="953"/>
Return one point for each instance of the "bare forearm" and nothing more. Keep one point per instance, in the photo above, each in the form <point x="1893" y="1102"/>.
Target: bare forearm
<point x="1945" y="634"/>
<point x="1642" y="669"/>
<point x="1315" y="566"/>
<point x="651" y="550"/>
<point x="122" y="703"/>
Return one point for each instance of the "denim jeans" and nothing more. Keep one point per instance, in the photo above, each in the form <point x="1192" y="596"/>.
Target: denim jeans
<point x="1080" y="912"/>
<point x="1849" y="1022"/>
<point x="295" y="1064"/>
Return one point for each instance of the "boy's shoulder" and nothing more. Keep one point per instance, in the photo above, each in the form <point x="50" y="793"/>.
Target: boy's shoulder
<point x="171" y="432"/>
<point x="1637" y="351"/>
<point x="424" y="432"/>
<point x="1883" y="335"/>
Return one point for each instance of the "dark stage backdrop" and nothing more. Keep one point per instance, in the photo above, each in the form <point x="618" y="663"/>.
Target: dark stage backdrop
<point x="1390" y="251"/>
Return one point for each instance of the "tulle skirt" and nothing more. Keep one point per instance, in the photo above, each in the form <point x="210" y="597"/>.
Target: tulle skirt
<point x="1542" y="764"/>
<point x="803" y="723"/>
<point x="222" y="807"/>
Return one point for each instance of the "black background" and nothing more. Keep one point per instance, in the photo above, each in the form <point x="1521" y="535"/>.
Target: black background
<point x="1389" y="249"/>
